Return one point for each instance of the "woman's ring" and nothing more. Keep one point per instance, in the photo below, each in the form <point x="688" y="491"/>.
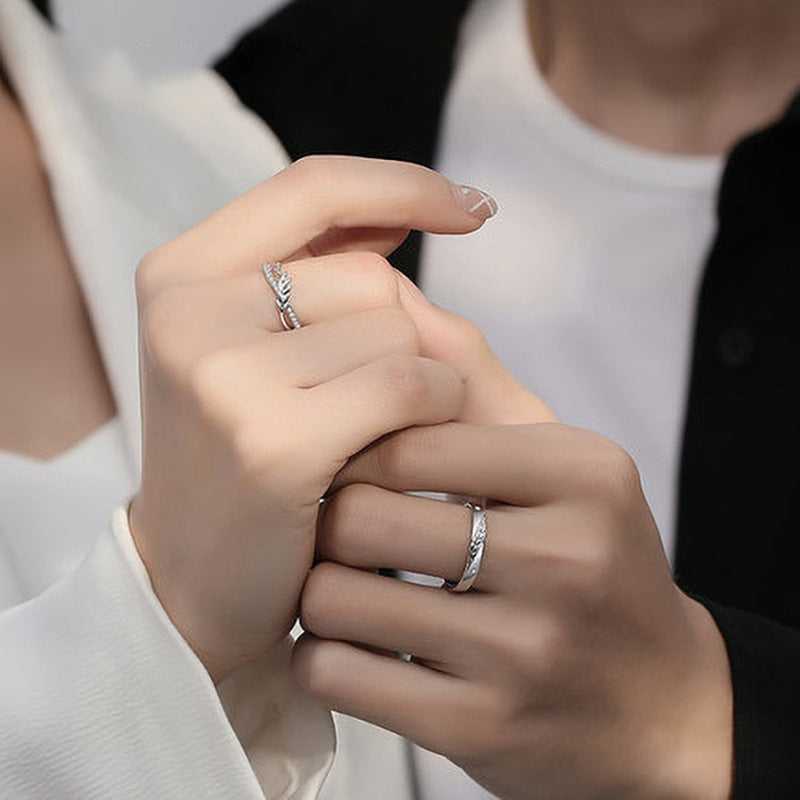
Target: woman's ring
<point x="477" y="545"/>
<point x="281" y="284"/>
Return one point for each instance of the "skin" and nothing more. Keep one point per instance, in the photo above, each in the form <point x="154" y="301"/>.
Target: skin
<point x="575" y="669"/>
<point x="262" y="419"/>
<point x="679" y="76"/>
<point x="55" y="390"/>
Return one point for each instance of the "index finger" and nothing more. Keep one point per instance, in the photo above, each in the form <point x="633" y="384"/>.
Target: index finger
<point x="314" y="195"/>
<point x="521" y="465"/>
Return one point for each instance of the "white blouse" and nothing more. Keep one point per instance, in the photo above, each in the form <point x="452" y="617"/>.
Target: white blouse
<point x="52" y="511"/>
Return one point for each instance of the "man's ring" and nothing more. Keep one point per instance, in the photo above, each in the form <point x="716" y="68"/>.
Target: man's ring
<point x="281" y="284"/>
<point x="477" y="545"/>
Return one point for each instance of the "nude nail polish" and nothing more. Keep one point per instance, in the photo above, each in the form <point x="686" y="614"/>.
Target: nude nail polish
<point x="475" y="202"/>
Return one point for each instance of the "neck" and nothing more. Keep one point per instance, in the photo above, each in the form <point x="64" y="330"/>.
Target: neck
<point x="684" y="76"/>
<point x="24" y="192"/>
<point x="17" y="149"/>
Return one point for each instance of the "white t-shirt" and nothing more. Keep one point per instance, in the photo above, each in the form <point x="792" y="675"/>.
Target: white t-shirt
<point x="584" y="284"/>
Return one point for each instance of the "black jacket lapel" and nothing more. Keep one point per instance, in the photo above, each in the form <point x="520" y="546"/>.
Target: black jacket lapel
<point x="740" y="472"/>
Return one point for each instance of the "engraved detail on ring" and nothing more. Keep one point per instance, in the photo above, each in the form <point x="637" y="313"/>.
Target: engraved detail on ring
<point x="475" y="550"/>
<point x="281" y="283"/>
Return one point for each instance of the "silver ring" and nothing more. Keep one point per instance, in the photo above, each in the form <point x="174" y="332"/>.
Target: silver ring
<point x="477" y="546"/>
<point x="281" y="284"/>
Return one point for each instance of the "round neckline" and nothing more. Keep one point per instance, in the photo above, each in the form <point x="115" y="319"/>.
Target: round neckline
<point x="565" y="129"/>
<point x="106" y="428"/>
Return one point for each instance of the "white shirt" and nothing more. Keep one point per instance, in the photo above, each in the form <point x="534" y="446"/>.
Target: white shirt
<point x="584" y="285"/>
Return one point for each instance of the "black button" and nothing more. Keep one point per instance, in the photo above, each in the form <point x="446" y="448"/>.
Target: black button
<point x="735" y="347"/>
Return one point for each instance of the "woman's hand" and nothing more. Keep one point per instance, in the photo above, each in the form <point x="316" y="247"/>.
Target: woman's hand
<point x="245" y="425"/>
<point x="493" y="396"/>
<point x="576" y="670"/>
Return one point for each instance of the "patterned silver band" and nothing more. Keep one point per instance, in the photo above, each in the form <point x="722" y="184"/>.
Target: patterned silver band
<point x="477" y="546"/>
<point x="281" y="284"/>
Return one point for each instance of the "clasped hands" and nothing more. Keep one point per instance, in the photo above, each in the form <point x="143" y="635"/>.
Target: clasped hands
<point x="576" y="669"/>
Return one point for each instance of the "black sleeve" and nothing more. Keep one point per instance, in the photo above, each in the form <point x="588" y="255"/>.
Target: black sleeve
<point x="765" y="667"/>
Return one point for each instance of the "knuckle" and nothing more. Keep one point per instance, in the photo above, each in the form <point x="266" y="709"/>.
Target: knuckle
<point x="311" y="170"/>
<point x="622" y="471"/>
<point x="530" y="650"/>
<point x="316" y="664"/>
<point x="317" y="600"/>
<point x="262" y="451"/>
<point x="533" y="655"/>
<point x="149" y="274"/>
<point x="394" y="455"/>
<point x="208" y="375"/>
<point x="476" y="728"/>
<point x="164" y="332"/>
<point x="309" y="162"/>
<point x="405" y="381"/>
<point x="208" y="383"/>
<point x="346" y="512"/>
<point x="264" y="455"/>
<point x="541" y="655"/>
<point x="468" y="339"/>
<point x="254" y="460"/>
<point x="588" y="583"/>
<point x="610" y="475"/>
<point x="378" y="273"/>
<point x="524" y="550"/>
<point x="398" y="325"/>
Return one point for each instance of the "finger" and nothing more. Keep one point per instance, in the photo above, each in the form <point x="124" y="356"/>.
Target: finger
<point x="495" y="396"/>
<point x="302" y="358"/>
<point x="322" y="289"/>
<point x="367" y="527"/>
<point x="336" y="419"/>
<point x="236" y="310"/>
<point x="304" y="201"/>
<point x="399" y="391"/>
<point x="370" y="609"/>
<point x="520" y="465"/>
<point x="529" y="552"/>
<point x="329" y="287"/>
<point x="343" y="240"/>
<point x="326" y="350"/>
<point x="436" y="711"/>
<point x="472" y="635"/>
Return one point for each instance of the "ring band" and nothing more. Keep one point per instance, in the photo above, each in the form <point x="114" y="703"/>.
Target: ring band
<point x="477" y="546"/>
<point x="281" y="283"/>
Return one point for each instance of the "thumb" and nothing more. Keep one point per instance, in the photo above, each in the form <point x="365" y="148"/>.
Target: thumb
<point x="494" y="396"/>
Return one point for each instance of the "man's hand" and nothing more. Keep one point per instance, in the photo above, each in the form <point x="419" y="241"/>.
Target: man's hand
<point x="576" y="670"/>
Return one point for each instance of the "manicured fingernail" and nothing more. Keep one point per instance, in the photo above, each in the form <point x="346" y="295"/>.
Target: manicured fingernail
<point x="475" y="202"/>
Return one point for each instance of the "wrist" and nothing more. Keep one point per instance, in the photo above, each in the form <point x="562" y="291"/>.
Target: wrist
<point x="183" y="611"/>
<point x="704" y="762"/>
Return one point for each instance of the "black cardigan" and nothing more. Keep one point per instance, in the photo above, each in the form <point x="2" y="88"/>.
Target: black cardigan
<point x="369" y="78"/>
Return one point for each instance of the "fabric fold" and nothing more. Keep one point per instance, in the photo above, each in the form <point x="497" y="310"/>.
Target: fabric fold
<point x="101" y="697"/>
